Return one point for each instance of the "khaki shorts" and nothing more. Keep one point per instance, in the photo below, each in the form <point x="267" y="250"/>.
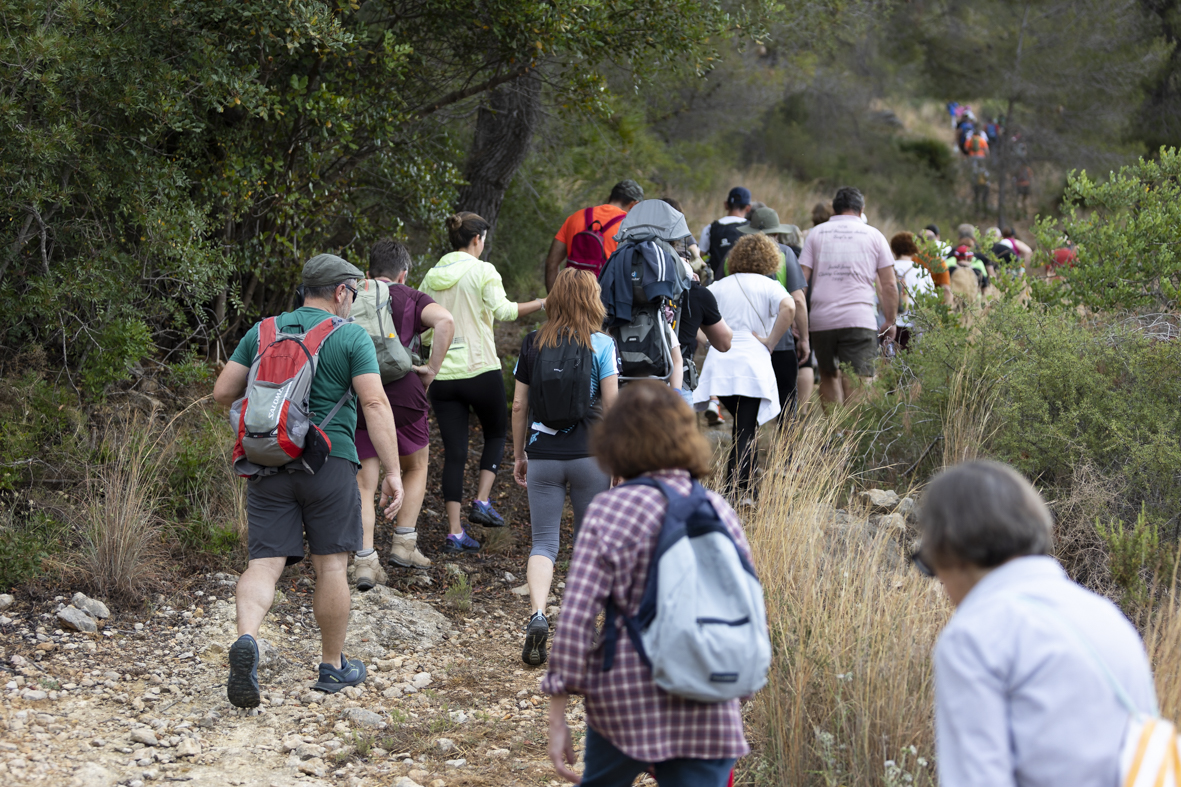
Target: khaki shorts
<point x="856" y="347"/>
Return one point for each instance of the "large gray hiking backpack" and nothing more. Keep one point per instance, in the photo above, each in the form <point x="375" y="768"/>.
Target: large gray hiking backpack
<point x="702" y="625"/>
<point x="371" y="311"/>
<point x="272" y="420"/>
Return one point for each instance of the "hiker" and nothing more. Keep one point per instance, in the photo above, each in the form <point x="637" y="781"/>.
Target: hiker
<point x="821" y="212"/>
<point x="1023" y="182"/>
<point x="976" y="145"/>
<point x="413" y="313"/>
<point x="631" y="724"/>
<point x="965" y="256"/>
<point x="914" y="280"/>
<point x="587" y="237"/>
<point x="718" y="238"/>
<point x="787" y="355"/>
<point x="552" y="419"/>
<point x="759" y="311"/>
<point x="842" y="260"/>
<point x="1010" y="251"/>
<point x="1031" y="668"/>
<point x="935" y="261"/>
<point x="285" y="503"/>
<point x="470" y="379"/>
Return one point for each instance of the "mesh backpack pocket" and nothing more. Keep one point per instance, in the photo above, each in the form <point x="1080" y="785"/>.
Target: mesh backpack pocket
<point x="272" y="421"/>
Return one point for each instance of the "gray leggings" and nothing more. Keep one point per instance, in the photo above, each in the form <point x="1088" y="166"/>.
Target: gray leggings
<point x="548" y="479"/>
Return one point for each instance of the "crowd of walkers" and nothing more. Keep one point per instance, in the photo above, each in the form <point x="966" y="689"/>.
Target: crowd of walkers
<point x="1035" y="677"/>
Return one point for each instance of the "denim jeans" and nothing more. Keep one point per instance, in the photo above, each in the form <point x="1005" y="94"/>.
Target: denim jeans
<point x="607" y="766"/>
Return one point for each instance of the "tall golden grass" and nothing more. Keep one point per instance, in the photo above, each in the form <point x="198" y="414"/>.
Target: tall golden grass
<point x="853" y="625"/>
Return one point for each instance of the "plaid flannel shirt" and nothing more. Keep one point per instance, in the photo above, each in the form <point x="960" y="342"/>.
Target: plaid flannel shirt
<point x="611" y="557"/>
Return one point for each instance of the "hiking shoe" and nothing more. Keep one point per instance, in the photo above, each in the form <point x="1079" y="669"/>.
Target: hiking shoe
<point x="483" y="513"/>
<point x="405" y="552"/>
<point x="713" y="413"/>
<point x="332" y="680"/>
<point x="463" y="544"/>
<point x="368" y="572"/>
<point x="536" y="635"/>
<point x="242" y="687"/>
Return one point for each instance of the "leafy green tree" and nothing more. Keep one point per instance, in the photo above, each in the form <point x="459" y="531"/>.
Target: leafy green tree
<point x="1125" y="233"/>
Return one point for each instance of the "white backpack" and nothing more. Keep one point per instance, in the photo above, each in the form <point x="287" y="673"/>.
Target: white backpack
<point x="1151" y="752"/>
<point x="702" y="625"/>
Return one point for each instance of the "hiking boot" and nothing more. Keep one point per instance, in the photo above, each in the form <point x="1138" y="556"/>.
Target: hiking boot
<point x="463" y="544"/>
<point x="713" y="413"/>
<point x="536" y="635"/>
<point x="483" y="513"/>
<point x="332" y="680"/>
<point x="368" y="572"/>
<point x="405" y="552"/>
<point x="242" y="687"/>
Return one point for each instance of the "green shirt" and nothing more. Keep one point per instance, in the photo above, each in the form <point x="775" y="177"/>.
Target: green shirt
<point x="347" y="353"/>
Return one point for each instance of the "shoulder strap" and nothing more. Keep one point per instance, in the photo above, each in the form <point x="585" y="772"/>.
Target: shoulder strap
<point x="1071" y="629"/>
<point x="588" y="218"/>
<point x="267" y="333"/>
<point x="348" y="394"/>
<point x="613" y="222"/>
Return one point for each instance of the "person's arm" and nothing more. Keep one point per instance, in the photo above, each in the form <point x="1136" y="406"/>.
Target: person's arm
<point x="553" y="262"/>
<point x="380" y="421"/>
<point x="439" y="320"/>
<point x="231" y="383"/>
<point x="1023" y="250"/>
<point x="561" y="745"/>
<point x="783" y="320"/>
<point x="608" y="391"/>
<point x="528" y="307"/>
<point x="801" y="323"/>
<point x="718" y="335"/>
<point x="888" y="287"/>
<point x="676" y="380"/>
<point x="498" y="303"/>
<point x="520" y="429"/>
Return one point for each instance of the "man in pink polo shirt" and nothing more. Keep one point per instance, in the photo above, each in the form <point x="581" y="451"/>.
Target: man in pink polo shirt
<point x="841" y="259"/>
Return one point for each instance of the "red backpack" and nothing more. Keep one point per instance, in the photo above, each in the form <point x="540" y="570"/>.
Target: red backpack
<point x="272" y="421"/>
<point x="586" y="250"/>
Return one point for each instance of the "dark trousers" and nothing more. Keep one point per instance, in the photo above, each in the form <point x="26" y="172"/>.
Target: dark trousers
<point x="453" y="400"/>
<point x="607" y="766"/>
<point x="787" y="370"/>
<point x="741" y="463"/>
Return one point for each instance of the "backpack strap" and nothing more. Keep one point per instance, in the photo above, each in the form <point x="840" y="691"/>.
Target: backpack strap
<point x="612" y="223"/>
<point x="588" y="218"/>
<point x="348" y="394"/>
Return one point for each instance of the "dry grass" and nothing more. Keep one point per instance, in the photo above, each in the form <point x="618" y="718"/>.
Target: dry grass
<point x="122" y="550"/>
<point x="853" y="626"/>
<point x="966" y="428"/>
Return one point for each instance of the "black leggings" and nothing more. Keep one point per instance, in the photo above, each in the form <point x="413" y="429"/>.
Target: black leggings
<point x="787" y="370"/>
<point x="483" y="394"/>
<point x="745" y="411"/>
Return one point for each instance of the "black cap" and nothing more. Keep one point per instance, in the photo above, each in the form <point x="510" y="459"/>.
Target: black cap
<point x="739" y="197"/>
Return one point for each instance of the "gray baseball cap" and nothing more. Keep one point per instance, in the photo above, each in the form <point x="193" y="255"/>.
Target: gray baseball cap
<point x="325" y="270"/>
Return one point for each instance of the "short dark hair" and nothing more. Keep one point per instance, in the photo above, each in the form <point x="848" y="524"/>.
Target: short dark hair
<point x="846" y="199"/>
<point x="933" y="228"/>
<point x="903" y="245"/>
<point x="388" y="258"/>
<point x="625" y="192"/>
<point x="1008" y="232"/>
<point x="821" y="213"/>
<point x="672" y="203"/>
<point x="650" y="428"/>
<point x="462" y="227"/>
<point x="983" y="513"/>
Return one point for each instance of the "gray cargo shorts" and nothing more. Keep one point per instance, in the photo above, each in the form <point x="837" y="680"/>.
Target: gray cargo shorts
<point x="283" y="508"/>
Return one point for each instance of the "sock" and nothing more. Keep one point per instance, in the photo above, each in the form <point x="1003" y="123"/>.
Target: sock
<point x="403" y="531"/>
<point x="366" y="552"/>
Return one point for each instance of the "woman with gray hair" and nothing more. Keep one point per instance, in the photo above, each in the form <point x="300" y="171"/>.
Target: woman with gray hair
<point x="1026" y="671"/>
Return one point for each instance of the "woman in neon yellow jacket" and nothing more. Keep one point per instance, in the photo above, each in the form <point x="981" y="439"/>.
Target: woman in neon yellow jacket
<point x="470" y="376"/>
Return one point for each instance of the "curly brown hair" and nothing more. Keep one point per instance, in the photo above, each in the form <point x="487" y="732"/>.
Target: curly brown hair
<point x="650" y="428"/>
<point x="754" y="254"/>
<point x="903" y="245"/>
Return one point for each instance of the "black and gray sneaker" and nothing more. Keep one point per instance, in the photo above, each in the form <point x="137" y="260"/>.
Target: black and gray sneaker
<point x="242" y="687"/>
<point x="536" y="636"/>
<point x="482" y="513"/>
<point x="332" y="680"/>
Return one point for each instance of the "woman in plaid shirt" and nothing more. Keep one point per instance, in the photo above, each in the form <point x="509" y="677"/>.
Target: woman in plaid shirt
<point x="631" y="724"/>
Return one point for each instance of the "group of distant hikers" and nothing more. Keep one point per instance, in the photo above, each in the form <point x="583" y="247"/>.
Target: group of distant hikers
<point x="1035" y="678"/>
<point x="976" y="140"/>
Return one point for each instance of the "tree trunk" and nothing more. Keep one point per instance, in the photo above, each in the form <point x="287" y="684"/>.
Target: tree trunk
<point x="504" y="130"/>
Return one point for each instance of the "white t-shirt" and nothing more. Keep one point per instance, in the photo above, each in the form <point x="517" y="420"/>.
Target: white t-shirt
<point x="749" y="302"/>
<point x="914" y="279"/>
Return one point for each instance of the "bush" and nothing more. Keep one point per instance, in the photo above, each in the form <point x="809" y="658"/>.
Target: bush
<point x="1057" y="391"/>
<point x="26" y="542"/>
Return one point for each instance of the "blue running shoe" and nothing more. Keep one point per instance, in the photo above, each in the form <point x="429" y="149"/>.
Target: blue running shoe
<point x="332" y="680"/>
<point x="483" y="513"/>
<point x="242" y="687"/>
<point x="463" y="544"/>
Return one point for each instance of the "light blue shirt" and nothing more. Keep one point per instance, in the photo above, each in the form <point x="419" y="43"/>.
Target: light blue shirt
<point x="1018" y="698"/>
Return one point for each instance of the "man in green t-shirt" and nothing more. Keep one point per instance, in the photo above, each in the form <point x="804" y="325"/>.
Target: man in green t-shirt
<point x="285" y="507"/>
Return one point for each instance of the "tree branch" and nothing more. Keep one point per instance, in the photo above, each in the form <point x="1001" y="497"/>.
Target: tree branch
<point x="468" y="92"/>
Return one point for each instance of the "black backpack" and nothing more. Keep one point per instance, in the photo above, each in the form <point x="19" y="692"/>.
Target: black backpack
<point x="722" y="238"/>
<point x="560" y="391"/>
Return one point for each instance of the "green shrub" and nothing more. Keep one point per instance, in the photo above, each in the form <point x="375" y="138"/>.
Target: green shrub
<point x="1137" y="558"/>
<point x="42" y="431"/>
<point x="202" y="500"/>
<point x="26" y="539"/>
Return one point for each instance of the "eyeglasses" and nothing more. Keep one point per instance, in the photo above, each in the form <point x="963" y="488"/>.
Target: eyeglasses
<point x="920" y="566"/>
<point x="353" y="290"/>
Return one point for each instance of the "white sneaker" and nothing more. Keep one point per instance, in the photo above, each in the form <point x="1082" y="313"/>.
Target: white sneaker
<point x="713" y="413"/>
<point x="368" y="572"/>
<point x="405" y="552"/>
